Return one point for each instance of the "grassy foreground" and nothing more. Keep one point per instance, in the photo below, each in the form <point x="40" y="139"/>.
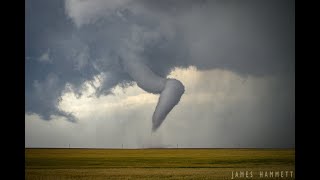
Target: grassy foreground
<point x="89" y="164"/>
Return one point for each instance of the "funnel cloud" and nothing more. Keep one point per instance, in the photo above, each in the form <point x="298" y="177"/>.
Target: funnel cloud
<point x="170" y="90"/>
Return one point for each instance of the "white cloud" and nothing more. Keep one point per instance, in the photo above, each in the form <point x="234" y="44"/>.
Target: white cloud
<point x="215" y="103"/>
<point x="88" y="105"/>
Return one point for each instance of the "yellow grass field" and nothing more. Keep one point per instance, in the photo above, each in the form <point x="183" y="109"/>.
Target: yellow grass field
<point x="49" y="164"/>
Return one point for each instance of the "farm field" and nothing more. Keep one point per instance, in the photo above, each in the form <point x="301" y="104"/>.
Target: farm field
<point x="49" y="164"/>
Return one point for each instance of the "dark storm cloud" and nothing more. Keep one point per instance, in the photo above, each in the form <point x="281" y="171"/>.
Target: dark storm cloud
<point x="47" y="28"/>
<point x="246" y="37"/>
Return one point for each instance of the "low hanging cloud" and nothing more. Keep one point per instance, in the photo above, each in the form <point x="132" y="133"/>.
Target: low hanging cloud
<point x="88" y="40"/>
<point x="90" y="37"/>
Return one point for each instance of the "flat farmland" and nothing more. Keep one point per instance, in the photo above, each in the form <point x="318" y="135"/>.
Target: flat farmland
<point x="89" y="164"/>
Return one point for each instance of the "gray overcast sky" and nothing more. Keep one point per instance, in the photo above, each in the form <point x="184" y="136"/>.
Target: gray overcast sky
<point x="235" y="59"/>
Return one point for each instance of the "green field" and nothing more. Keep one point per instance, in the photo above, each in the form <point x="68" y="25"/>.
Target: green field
<point x="154" y="163"/>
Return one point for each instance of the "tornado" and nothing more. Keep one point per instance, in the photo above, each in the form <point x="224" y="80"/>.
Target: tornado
<point x="170" y="89"/>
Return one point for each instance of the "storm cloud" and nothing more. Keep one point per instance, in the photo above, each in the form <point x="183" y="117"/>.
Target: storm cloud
<point x="73" y="43"/>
